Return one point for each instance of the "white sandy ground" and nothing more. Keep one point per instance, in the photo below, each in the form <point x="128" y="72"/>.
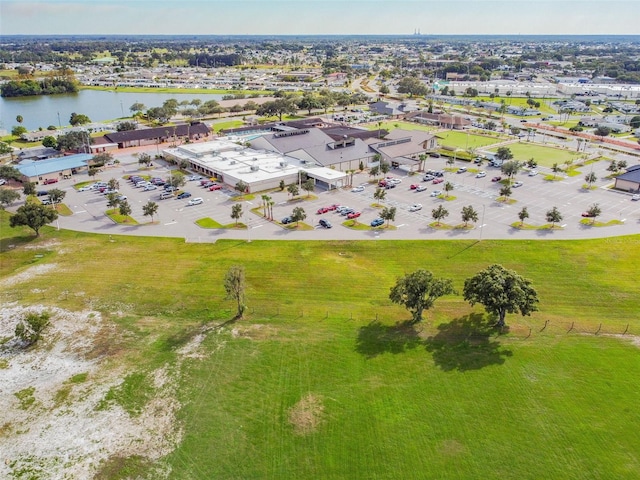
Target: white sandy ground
<point x="69" y="439"/>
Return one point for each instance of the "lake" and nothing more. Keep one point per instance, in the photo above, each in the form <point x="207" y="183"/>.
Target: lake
<point x="99" y="106"/>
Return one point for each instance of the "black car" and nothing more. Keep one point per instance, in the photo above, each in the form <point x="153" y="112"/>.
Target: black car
<point x="183" y="195"/>
<point x="42" y="193"/>
<point x="325" y="223"/>
<point x="286" y="220"/>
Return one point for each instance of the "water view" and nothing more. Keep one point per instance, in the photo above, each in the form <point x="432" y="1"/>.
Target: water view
<point x="99" y="106"/>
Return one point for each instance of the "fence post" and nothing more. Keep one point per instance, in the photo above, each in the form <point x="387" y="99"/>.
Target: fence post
<point x="570" y="328"/>
<point x="626" y="330"/>
<point x="598" y="331"/>
<point x="529" y="334"/>
<point x="546" y="322"/>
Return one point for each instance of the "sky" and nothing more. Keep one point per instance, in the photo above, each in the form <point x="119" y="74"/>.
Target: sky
<point x="314" y="17"/>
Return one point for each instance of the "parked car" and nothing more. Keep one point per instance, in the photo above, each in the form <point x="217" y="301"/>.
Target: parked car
<point x="413" y="186"/>
<point x="438" y="180"/>
<point x="588" y="214"/>
<point x="533" y="173"/>
<point x="382" y="183"/>
<point x="340" y="209"/>
<point x="121" y="198"/>
<point x="394" y="181"/>
<point x="164" y="195"/>
<point x="325" y="223"/>
<point x="2" y="181"/>
<point x="42" y="193"/>
<point x="435" y="193"/>
<point x="192" y="178"/>
<point x="353" y="215"/>
<point x="170" y="188"/>
<point x="107" y="191"/>
<point x="434" y="155"/>
<point x="496" y="179"/>
<point x="46" y="201"/>
<point x="215" y="186"/>
<point x="322" y="210"/>
<point x="462" y="170"/>
<point x="183" y="195"/>
<point x="428" y="177"/>
<point x="149" y="187"/>
<point x="517" y="184"/>
<point x="286" y="220"/>
<point x="635" y="197"/>
<point x="347" y="211"/>
<point x="157" y="181"/>
<point x="331" y="208"/>
<point x="49" y="181"/>
<point x="481" y="174"/>
<point x="415" y="207"/>
<point x="358" y="189"/>
<point x="377" y="222"/>
<point x="390" y="185"/>
<point x="85" y="188"/>
<point x="421" y="188"/>
<point x="208" y="184"/>
<point x="195" y="201"/>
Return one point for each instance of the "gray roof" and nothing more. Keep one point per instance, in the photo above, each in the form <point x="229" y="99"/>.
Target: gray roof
<point x="327" y="156"/>
<point x="29" y="168"/>
<point x="286" y="142"/>
<point x="631" y="175"/>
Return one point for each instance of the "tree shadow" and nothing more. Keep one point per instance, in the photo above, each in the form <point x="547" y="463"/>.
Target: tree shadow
<point x="376" y="338"/>
<point x="466" y="343"/>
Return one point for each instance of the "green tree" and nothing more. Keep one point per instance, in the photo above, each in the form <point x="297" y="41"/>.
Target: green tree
<point x="236" y="212"/>
<point x="7" y="197"/>
<point x="384" y="168"/>
<point x="554" y="216"/>
<point x="19" y="119"/>
<point x="298" y="215"/>
<point x="113" y="184"/>
<point x="504" y="154"/>
<point x="555" y="168"/>
<point x="293" y="190"/>
<point x="439" y="213"/>
<point x="5" y="148"/>
<point x="144" y="159"/>
<point x="137" y="108"/>
<point x="100" y="159"/>
<point x="590" y="178"/>
<point x="78" y="119"/>
<point x="124" y="208"/>
<point x="235" y="287"/>
<point x="635" y="122"/>
<point x="242" y="187"/>
<point x="49" y="142"/>
<point x="374" y="171"/>
<point x="501" y="291"/>
<point x="413" y="86"/>
<point x="56" y="195"/>
<point x="33" y="215"/>
<point x="505" y="192"/>
<point x="30" y="328"/>
<point x="469" y="214"/>
<point x="523" y="215"/>
<point x="112" y="200"/>
<point x="602" y="132"/>
<point x="511" y="168"/>
<point x="448" y="187"/>
<point x="388" y="214"/>
<point x="418" y="291"/>
<point x="9" y="173"/>
<point x="379" y="195"/>
<point x="282" y="185"/>
<point x="29" y="188"/>
<point x="150" y="209"/>
<point x="308" y="186"/>
<point x="594" y="212"/>
<point x="92" y="172"/>
<point x="177" y="179"/>
<point x="18" y="131"/>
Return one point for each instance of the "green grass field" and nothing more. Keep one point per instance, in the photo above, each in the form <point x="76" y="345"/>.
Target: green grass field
<point x="452" y="138"/>
<point x="545" y="156"/>
<point x="323" y="379"/>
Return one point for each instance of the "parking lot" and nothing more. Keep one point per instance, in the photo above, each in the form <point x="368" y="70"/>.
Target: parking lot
<point x="176" y="218"/>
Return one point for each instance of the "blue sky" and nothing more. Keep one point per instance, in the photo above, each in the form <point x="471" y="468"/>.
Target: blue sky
<point x="290" y="17"/>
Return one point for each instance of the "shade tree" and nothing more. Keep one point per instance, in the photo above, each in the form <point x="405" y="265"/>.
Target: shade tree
<point x="418" y="292"/>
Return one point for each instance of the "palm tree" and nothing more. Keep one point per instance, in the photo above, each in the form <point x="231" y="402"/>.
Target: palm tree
<point x="590" y="178"/>
<point x="505" y="192"/>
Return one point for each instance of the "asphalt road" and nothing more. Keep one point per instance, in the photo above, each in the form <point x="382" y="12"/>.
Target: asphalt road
<point x="176" y="219"/>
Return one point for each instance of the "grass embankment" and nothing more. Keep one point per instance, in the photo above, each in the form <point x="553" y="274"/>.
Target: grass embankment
<point x="544" y="156"/>
<point x="323" y="379"/>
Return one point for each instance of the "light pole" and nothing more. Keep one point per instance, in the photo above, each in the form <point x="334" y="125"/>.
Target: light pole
<point x="482" y="222"/>
<point x="59" y="124"/>
<point x="248" y="222"/>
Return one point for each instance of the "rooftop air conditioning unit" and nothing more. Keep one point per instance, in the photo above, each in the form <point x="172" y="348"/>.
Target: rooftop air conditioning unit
<point x="232" y="162"/>
<point x="283" y="164"/>
<point x="254" y="168"/>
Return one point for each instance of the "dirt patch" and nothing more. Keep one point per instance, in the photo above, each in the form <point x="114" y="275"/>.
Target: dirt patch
<point x="254" y="332"/>
<point x="633" y="339"/>
<point x="59" y="433"/>
<point x="451" y="447"/>
<point x="306" y="416"/>
<point x="28" y="274"/>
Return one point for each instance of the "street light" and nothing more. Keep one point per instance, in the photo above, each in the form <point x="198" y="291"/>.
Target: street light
<point x="482" y="222"/>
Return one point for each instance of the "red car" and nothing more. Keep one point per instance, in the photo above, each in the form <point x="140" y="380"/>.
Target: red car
<point x="322" y="210"/>
<point x="438" y="180"/>
<point x="413" y="187"/>
<point x="215" y="187"/>
<point x="496" y="179"/>
<point x="331" y="208"/>
<point x="49" y="181"/>
<point x="353" y="215"/>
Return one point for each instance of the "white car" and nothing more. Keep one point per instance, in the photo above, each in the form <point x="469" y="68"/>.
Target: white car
<point x="358" y="189"/>
<point x="195" y="201"/>
<point x="2" y="181"/>
<point x="194" y="177"/>
<point x="394" y="181"/>
<point x="517" y="184"/>
<point x="86" y="188"/>
<point x="421" y="188"/>
<point x="481" y="174"/>
<point x="435" y="193"/>
<point x="415" y="207"/>
<point x="635" y="197"/>
<point x="149" y="187"/>
<point x="533" y="173"/>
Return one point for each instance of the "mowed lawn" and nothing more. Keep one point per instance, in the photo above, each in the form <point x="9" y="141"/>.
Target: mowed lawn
<point x="452" y="138"/>
<point x="545" y="156"/>
<point x="323" y="379"/>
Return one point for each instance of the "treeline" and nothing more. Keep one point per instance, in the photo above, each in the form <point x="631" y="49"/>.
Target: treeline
<point x="216" y="60"/>
<point x="47" y="86"/>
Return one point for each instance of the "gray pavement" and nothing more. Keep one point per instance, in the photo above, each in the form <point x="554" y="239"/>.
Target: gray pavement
<point x="176" y="219"/>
